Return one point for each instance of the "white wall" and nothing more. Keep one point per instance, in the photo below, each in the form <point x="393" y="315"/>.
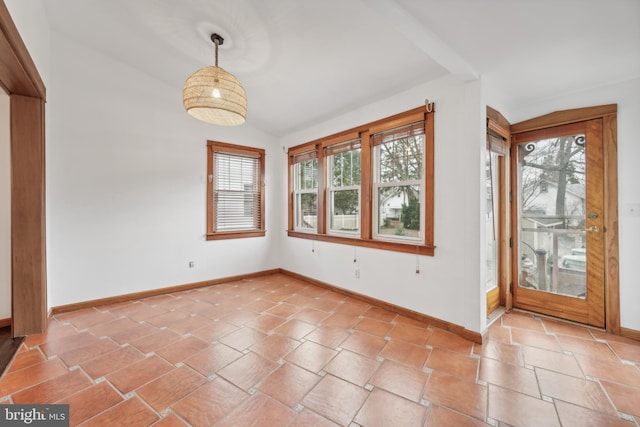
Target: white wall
<point x="5" y="208"/>
<point x="627" y="96"/>
<point x="449" y="284"/>
<point x="126" y="184"/>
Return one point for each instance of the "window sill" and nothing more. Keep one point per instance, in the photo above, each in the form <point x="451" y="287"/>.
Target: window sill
<point x="235" y="234"/>
<point x="374" y="244"/>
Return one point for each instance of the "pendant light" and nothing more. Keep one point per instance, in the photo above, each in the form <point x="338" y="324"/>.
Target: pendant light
<point x="215" y="96"/>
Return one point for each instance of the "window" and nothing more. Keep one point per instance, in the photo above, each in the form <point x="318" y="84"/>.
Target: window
<point x="306" y="191"/>
<point x="235" y="191"/>
<point x="369" y="186"/>
<point x="397" y="183"/>
<point x="343" y="187"/>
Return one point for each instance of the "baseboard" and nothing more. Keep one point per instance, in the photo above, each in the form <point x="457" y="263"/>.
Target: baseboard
<point x="5" y="322"/>
<point x="630" y="333"/>
<point x="151" y="293"/>
<point x="438" y="323"/>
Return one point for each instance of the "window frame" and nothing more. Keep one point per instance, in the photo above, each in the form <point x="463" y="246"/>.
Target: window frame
<point x="305" y="157"/>
<point x="378" y="182"/>
<point x="214" y="147"/>
<point x="366" y="237"/>
<point x="350" y="146"/>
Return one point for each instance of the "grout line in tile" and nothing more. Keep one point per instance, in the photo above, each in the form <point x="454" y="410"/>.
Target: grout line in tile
<point x="321" y="373"/>
<point x="626" y="417"/>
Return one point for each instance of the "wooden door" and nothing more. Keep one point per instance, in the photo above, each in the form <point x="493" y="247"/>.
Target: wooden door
<point x="558" y="221"/>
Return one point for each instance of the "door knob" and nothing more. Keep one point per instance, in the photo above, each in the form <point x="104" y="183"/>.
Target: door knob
<point x="593" y="229"/>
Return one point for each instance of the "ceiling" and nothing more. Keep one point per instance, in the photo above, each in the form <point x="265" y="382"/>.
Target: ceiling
<point x="302" y="62"/>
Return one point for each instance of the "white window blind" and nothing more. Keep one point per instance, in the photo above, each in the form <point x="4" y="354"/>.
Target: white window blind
<point x="236" y="192"/>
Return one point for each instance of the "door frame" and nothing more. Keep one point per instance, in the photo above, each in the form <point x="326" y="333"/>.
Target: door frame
<point x="608" y="114"/>
<point x="498" y="125"/>
<point x="20" y="79"/>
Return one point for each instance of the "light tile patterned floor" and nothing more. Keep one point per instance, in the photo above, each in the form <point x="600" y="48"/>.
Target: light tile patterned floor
<point x="276" y="351"/>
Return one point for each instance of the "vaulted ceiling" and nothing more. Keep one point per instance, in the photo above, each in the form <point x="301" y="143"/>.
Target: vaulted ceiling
<point x="306" y="61"/>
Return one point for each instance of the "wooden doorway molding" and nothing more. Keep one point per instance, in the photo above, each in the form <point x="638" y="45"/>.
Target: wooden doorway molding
<point x="499" y="134"/>
<point x="20" y="79"/>
<point x="608" y="114"/>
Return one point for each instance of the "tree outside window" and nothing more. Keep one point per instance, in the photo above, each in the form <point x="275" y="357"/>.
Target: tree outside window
<point x="399" y="155"/>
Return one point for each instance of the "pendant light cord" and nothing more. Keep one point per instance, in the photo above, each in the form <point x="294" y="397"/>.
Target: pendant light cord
<point x="216" y="43"/>
<point x="217" y="40"/>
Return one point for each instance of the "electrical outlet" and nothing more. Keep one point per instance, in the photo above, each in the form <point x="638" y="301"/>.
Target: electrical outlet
<point x="357" y="272"/>
<point x="192" y="264"/>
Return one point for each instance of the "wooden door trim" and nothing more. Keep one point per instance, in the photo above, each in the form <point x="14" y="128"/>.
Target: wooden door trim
<point x="564" y="117"/>
<point x="19" y="77"/>
<point x="608" y="113"/>
<point x="18" y="73"/>
<point x="611" y="242"/>
<point x="28" y="273"/>
<point x="498" y="124"/>
<point x="595" y="267"/>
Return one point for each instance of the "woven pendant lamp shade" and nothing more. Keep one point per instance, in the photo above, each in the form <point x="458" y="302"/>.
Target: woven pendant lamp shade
<point x="215" y="96"/>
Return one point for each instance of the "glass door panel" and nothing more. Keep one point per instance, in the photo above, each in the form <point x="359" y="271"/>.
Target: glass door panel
<point x="552" y="246"/>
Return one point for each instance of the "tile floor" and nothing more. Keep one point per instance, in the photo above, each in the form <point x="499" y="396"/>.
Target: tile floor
<point x="276" y="351"/>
